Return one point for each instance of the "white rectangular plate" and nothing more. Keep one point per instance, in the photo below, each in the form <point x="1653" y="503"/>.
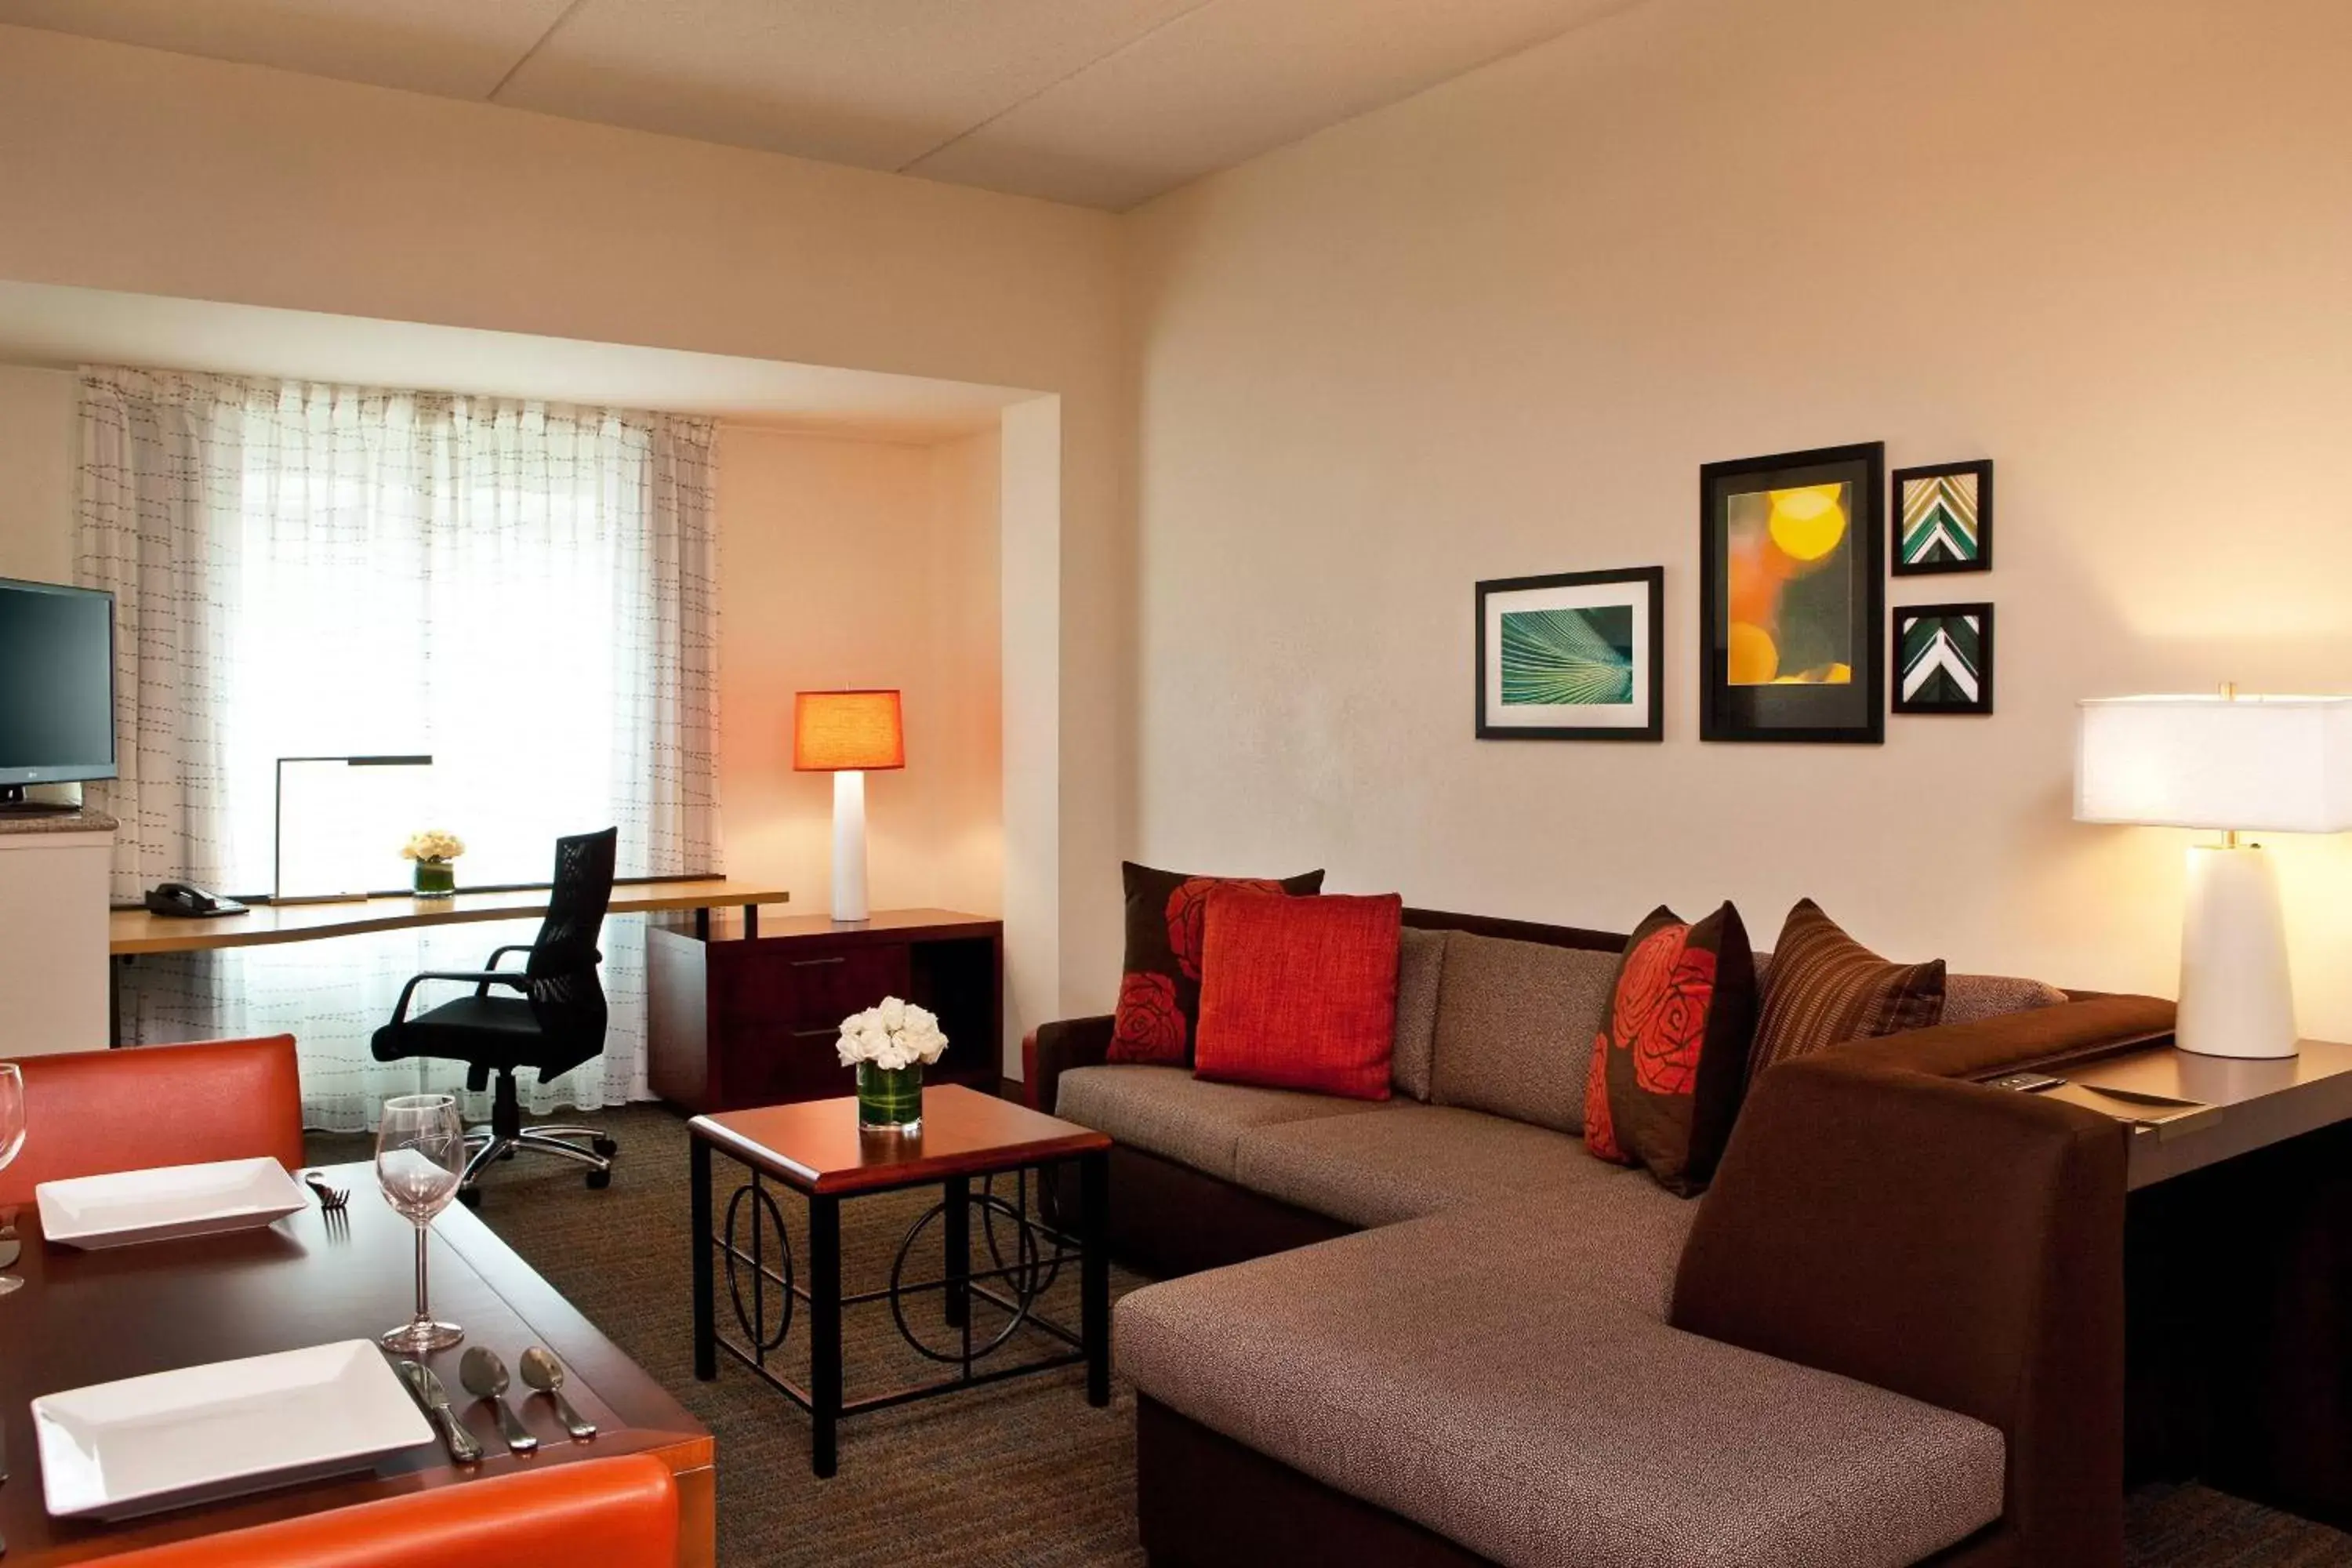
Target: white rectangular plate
<point x="127" y="1207"/>
<point x="117" y="1450"/>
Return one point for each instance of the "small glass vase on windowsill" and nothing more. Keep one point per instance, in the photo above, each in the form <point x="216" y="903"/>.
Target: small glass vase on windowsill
<point x="436" y="879"/>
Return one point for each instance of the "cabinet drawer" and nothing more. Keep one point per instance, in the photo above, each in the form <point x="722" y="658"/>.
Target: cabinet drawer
<point x="794" y="987"/>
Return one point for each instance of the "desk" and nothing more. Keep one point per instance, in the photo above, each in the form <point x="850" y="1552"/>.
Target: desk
<point x="94" y="1317"/>
<point x="133" y="931"/>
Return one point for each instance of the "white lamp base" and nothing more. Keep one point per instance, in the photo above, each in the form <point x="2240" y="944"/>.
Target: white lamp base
<point x="2236" y="997"/>
<point x="849" y="846"/>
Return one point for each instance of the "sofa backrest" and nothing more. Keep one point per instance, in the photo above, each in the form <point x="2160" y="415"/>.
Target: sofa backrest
<point x="1421" y="960"/>
<point x="1515" y="1022"/>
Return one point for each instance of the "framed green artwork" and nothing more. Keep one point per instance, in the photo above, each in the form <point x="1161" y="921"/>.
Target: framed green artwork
<point x="1943" y="658"/>
<point x="1793" y="595"/>
<point x="1572" y="657"/>
<point x="1943" y="519"/>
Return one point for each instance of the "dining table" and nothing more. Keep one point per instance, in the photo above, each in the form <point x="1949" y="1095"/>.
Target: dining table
<point x="316" y="1277"/>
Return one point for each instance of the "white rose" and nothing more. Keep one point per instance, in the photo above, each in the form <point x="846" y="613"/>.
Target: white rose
<point x="893" y="1013"/>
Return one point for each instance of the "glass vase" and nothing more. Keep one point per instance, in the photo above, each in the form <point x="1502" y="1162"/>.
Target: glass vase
<point x="436" y="879"/>
<point x="889" y="1099"/>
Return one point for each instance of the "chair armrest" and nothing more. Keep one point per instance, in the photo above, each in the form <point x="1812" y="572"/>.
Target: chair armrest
<point x="482" y="979"/>
<point x="1958" y="1243"/>
<point x="497" y="953"/>
<point x="1052" y="1049"/>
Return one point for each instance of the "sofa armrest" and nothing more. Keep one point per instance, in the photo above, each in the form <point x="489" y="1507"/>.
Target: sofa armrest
<point x="2033" y="1037"/>
<point x="1958" y="1243"/>
<point x="1052" y="1049"/>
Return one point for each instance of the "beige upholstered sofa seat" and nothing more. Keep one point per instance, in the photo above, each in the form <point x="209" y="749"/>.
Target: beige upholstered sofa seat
<point x="1495" y="1376"/>
<point x="1169" y="1113"/>
<point x="1414" y="1159"/>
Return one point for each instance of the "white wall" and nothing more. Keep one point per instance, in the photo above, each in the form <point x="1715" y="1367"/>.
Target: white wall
<point x="862" y="563"/>
<point x="38" y="437"/>
<point x="1496" y="328"/>
<point x="151" y="172"/>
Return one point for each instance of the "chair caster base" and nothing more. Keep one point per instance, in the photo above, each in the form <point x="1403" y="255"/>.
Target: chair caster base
<point x="470" y="1196"/>
<point x="599" y="1180"/>
<point x="604" y="1146"/>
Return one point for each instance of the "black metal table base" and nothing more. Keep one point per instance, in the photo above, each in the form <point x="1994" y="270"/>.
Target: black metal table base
<point x="1031" y="1272"/>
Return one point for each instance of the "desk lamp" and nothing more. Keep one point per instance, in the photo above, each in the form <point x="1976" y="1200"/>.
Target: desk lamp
<point x="2238" y="765"/>
<point x="845" y="733"/>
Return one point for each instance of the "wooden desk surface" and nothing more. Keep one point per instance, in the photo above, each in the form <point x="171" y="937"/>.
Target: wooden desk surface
<point x="136" y="930"/>
<point x="815" y="1144"/>
<point x="84" y="1318"/>
<point x="2257" y="1103"/>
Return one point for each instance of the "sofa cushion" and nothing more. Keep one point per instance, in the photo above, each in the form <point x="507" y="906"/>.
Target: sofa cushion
<point x="1421" y="964"/>
<point x="1299" y="993"/>
<point x="1442" y="1370"/>
<point x="1169" y="1113"/>
<point x="1410" y="1161"/>
<point x="1973" y="998"/>
<point x="1671" y="1066"/>
<point x="1160" y="983"/>
<point x="1825" y="988"/>
<point x="1514" y="1027"/>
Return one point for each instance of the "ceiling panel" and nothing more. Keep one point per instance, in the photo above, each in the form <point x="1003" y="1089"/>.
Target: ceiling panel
<point x="457" y="48"/>
<point x="1234" y="78"/>
<point x="872" y="82"/>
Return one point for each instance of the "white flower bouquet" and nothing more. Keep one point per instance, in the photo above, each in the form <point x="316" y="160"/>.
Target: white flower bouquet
<point x="433" y="847"/>
<point x="892" y="1037"/>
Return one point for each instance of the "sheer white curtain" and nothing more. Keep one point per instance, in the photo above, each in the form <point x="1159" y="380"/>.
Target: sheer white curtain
<point x="523" y="590"/>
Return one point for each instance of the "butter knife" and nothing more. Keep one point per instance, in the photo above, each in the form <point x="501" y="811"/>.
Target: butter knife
<point x="430" y="1394"/>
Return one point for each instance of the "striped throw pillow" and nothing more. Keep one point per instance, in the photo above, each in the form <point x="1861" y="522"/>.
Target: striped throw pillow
<point x="1824" y="987"/>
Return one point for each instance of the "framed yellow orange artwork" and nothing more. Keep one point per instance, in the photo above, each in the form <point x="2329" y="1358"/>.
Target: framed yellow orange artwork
<point x="1792" y="590"/>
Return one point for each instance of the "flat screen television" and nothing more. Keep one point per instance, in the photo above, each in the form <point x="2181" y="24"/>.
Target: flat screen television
<point x="57" y="685"/>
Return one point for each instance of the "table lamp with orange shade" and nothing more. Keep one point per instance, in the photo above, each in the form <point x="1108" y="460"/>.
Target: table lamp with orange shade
<point x="847" y="734"/>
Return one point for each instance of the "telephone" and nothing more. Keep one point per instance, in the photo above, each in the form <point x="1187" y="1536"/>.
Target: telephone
<point x="185" y="901"/>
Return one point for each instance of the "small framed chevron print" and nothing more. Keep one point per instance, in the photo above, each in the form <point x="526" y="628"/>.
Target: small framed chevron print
<point x="1943" y="519"/>
<point x="1943" y="658"/>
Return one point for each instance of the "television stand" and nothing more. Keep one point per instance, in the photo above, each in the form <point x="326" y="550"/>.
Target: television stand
<point x="13" y="803"/>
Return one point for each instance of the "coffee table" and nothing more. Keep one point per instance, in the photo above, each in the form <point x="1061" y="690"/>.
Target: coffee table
<point x="815" y="1149"/>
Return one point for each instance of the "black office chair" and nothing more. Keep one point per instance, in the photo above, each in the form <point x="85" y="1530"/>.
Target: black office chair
<point x="554" y="1025"/>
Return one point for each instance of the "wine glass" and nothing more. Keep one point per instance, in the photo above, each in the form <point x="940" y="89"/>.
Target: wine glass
<point x="12" y="1138"/>
<point x="420" y="1157"/>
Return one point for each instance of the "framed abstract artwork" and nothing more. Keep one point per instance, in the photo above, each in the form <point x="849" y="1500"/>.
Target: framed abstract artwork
<point x="1943" y="519"/>
<point x="1573" y="656"/>
<point x="1792" y="598"/>
<point x="1943" y="658"/>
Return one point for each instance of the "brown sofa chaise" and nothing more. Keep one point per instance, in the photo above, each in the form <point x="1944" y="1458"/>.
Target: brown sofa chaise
<point x="1434" y="1330"/>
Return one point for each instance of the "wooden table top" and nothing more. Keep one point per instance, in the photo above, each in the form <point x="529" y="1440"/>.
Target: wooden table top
<point x="85" y="1317"/>
<point x="137" y="931"/>
<point x="816" y="1145"/>
<point x="2253" y="1103"/>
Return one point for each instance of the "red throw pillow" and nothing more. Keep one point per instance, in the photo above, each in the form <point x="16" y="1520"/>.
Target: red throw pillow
<point x="1670" y="1066"/>
<point x="1160" y="986"/>
<point x="1299" y="992"/>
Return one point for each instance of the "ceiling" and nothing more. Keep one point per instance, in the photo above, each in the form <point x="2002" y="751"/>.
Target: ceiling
<point x="53" y="327"/>
<point x="1104" y="104"/>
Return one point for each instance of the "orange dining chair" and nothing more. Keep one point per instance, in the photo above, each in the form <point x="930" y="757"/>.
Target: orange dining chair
<point x="598" y="1513"/>
<point x="89" y="1113"/>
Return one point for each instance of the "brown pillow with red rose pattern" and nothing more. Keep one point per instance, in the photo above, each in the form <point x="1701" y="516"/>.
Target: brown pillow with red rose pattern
<point x="1670" y="1066"/>
<point x="1160" y="992"/>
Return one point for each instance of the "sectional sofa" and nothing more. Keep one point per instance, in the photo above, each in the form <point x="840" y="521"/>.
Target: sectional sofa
<point x="1434" y="1330"/>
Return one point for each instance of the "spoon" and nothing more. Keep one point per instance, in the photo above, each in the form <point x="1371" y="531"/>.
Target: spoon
<point x="485" y="1377"/>
<point x="543" y="1372"/>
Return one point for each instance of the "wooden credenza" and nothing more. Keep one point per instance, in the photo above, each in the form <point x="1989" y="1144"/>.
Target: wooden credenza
<point x="738" y="1017"/>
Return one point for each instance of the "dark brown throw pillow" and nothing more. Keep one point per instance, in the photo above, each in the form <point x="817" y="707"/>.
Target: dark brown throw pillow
<point x="1670" y="1066"/>
<point x="1823" y="987"/>
<point x="1159" y="990"/>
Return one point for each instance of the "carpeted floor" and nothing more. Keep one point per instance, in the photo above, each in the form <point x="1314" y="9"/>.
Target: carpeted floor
<point x="1020" y="1474"/>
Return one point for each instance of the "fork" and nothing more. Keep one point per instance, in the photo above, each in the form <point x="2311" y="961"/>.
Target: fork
<point x="330" y="1199"/>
